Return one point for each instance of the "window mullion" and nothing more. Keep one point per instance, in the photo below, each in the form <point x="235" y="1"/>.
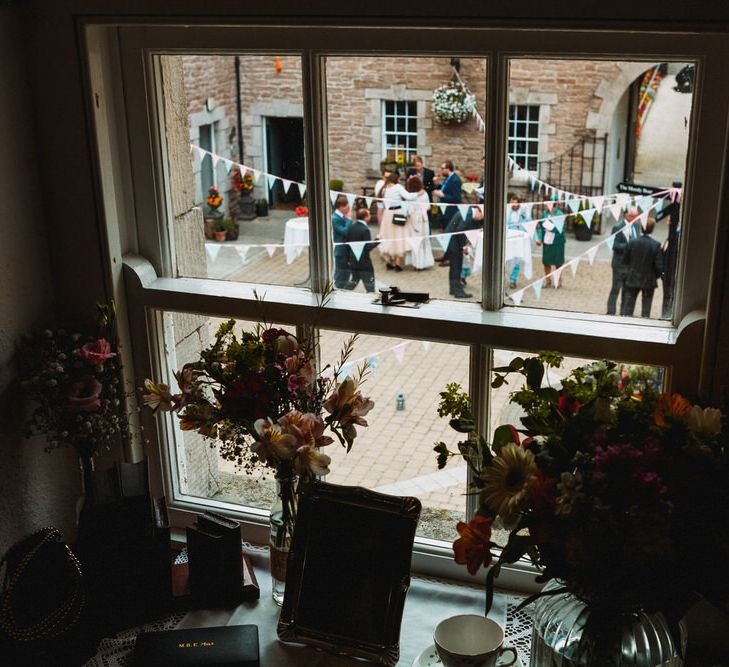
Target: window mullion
<point x="497" y="96"/>
<point x="479" y="373"/>
<point x="316" y="153"/>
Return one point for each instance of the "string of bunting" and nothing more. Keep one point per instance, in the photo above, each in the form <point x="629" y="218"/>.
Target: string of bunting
<point x="372" y="360"/>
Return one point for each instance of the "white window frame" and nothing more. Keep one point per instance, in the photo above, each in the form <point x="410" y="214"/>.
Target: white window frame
<point x="522" y="159"/>
<point x="139" y="229"/>
<point x="411" y="136"/>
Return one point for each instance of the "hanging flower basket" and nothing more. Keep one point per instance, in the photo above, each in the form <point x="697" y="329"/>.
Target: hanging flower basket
<point x="453" y="103"/>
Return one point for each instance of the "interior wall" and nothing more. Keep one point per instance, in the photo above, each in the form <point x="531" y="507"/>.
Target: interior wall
<point x="38" y="488"/>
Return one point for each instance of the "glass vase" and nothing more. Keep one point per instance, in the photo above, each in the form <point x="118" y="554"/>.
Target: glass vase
<point x="568" y="631"/>
<point x="283" y="520"/>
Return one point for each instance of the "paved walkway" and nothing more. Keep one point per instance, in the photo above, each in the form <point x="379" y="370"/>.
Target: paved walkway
<point x="394" y="454"/>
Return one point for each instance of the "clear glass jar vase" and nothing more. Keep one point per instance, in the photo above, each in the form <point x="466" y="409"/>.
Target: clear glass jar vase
<point x="283" y="521"/>
<point x="568" y="631"/>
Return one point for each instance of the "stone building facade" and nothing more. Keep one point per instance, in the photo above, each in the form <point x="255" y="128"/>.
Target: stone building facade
<point x="576" y="100"/>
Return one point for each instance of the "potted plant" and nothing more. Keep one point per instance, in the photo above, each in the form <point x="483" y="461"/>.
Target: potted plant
<point x="220" y="231"/>
<point x="244" y="184"/>
<point x="583" y="231"/>
<point x="453" y="103"/>
<point x="262" y="208"/>
<point x="212" y="211"/>
<point x="231" y="229"/>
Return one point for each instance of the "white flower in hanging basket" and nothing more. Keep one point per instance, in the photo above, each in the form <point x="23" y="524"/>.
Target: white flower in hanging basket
<point x="453" y="103"/>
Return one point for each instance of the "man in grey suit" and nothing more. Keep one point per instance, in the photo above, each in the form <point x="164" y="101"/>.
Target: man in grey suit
<point x="645" y="264"/>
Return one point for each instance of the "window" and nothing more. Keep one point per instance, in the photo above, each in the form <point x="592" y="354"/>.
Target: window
<point x="524" y="135"/>
<point x="399" y="131"/>
<point x="466" y="335"/>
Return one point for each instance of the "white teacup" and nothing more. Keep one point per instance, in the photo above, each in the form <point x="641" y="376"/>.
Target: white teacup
<point x="470" y="640"/>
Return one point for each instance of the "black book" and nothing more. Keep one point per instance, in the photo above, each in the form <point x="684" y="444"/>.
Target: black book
<point x="222" y="647"/>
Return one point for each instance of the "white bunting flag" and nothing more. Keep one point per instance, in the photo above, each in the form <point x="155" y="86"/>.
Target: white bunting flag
<point x="516" y="297"/>
<point x="271" y="179"/>
<point x="626" y="231"/>
<point x="643" y="218"/>
<point x="286" y="184"/>
<point x="442" y="208"/>
<point x="463" y="210"/>
<point x="573" y="266"/>
<point x="256" y="175"/>
<point x="344" y="371"/>
<point x="549" y="205"/>
<point x="557" y="275"/>
<point x="623" y="199"/>
<point x="201" y="152"/>
<point x="659" y="205"/>
<point x="443" y="240"/>
<point x="212" y="249"/>
<point x="242" y="252"/>
<point x="414" y="242"/>
<point x="597" y="202"/>
<point x="537" y="287"/>
<point x="270" y="249"/>
<point x="616" y="210"/>
<point x="302" y="189"/>
<point x="216" y="159"/>
<point x="368" y="202"/>
<point x="333" y="196"/>
<point x="574" y="205"/>
<point x="558" y="221"/>
<point x="242" y="169"/>
<point x="192" y="147"/>
<point x="350" y="200"/>
<point x="532" y="181"/>
<point x="425" y="344"/>
<point x="399" y="352"/>
<point x="590" y="254"/>
<point x="547" y="192"/>
<point x="645" y="203"/>
<point x="357" y="247"/>
<point x="228" y="164"/>
<point x="473" y="235"/>
<point x="373" y="362"/>
<point x="610" y="242"/>
<point x="528" y="209"/>
<point x="587" y="215"/>
<point x="529" y="227"/>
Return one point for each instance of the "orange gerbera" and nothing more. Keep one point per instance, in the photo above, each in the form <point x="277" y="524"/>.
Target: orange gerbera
<point x="670" y="404"/>
<point x="472" y="548"/>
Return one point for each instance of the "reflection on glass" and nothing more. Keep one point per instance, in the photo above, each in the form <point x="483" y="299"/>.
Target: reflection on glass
<point x="592" y="159"/>
<point x="411" y="157"/>
<point x="245" y="168"/>
<point x="394" y="454"/>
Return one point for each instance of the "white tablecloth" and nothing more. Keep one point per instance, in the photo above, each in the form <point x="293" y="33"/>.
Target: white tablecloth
<point x="518" y="247"/>
<point x="296" y="238"/>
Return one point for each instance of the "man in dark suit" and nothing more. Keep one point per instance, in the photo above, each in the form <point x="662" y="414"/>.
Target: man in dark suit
<point x="340" y="226"/>
<point x="645" y="265"/>
<point x="620" y="270"/>
<point x="449" y="191"/>
<point x="361" y="266"/>
<point x="427" y="176"/>
<point x="454" y="251"/>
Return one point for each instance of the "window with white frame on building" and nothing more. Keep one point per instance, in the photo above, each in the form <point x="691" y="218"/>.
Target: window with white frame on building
<point x="399" y="130"/>
<point x="412" y="353"/>
<point x="524" y="135"/>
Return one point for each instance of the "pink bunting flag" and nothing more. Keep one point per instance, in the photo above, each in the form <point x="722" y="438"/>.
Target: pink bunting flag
<point x="270" y="249"/>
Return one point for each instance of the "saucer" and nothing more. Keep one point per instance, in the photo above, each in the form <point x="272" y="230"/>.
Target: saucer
<point x="429" y="658"/>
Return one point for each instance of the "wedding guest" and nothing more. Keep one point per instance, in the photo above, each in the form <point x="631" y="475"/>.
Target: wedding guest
<point x="456" y="244"/>
<point x="361" y="267"/>
<point x="394" y="228"/>
<point x="340" y="226"/>
<point x="552" y="241"/>
<point x="449" y="192"/>
<point x="378" y="190"/>
<point x="426" y="176"/>
<point x="620" y="270"/>
<point x="421" y="257"/>
<point x="516" y="215"/>
<point x="645" y="265"/>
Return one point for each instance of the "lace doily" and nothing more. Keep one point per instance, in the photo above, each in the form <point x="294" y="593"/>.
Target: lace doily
<point x="518" y="629"/>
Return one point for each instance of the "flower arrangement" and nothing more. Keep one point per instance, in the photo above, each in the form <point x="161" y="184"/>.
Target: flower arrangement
<point x="243" y="183"/>
<point x="614" y="489"/>
<point x="73" y="381"/>
<point x="214" y="200"/>
<point x="453" y="103"/>
<point x="259" y="396"/>
<point x="301" y="211"/>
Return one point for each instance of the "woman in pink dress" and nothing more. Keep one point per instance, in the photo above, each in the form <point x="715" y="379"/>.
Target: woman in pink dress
<point x="394" y="237"/>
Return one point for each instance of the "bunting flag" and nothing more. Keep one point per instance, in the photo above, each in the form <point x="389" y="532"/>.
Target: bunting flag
<point x="357" y="247"/>
<point x="529" y="227"/>
<point x="442" y="208"/>
<point x="590" y="253"/>
<point x="463" y="210"/>
<point x="302" y="189"/>
<point x="242" y="252"/>
<point x="574" y="205"/>
<point x="333" y="196"/>
<point x="537" y="287"/>
<point x="242" y="169"/>
<point x="216" y="159"/>
<point x="399" y="352"/>
<point x="425" y="344"/>
<point x="228" y="164"/>
<point x="516" y="297"/>
<point x="616" y="210"/>
<point x="344" y="372"/>
<point x="597" y="202"/>
<point x="414" y="242"/>
<point x="643" y="219"/>
<point x="350" y="200"/>
<point x="528" y="208"/>
<point x="588" y="215"/>
<point x="368" y="202"/>
<point x="573" y="266"/>
<point x="286" y="184"/>
<point x="443" y="240"/>
<point x="626" y="231"/>
<point x="212" y="249"/>
<point x="373" y="361"/>
<point x="201" y="152"/>
<point x="257" y="175"/>
<point x="270" y="249"/>
<point x="645" y="203"/>
<point x="271" y="180"/>
<point x="623" y="199"/>
<point x="473" y="235"/>
<point x="558" y="221"/>
<point x="557" y="275"/>
<point x="610" y="241"/>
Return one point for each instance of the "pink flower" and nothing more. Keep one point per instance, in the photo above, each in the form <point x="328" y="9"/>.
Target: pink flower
<point x="85" y="395"/>
<point x="308" y="461"/>
<point x="272" y="443"/>
<point x="307" y="428"/>
<point x="348" y="407"/>
<point x="96" y="352"/>
<point x="300" y="370"/>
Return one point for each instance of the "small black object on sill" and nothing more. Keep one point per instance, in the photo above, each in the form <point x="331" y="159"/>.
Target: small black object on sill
<point x="392" y="296"/>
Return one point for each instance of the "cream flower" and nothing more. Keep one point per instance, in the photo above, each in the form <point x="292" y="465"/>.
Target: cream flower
<point x="159" y="397"/>
<point x="705" y="420"/>
<point x="272" y="444"/>
<point x="306" y="428"/>
<point x="507" y="482"/>
<point x="309" y="461"/>
<point x="570" y="487"/>
<point x="348" y="407"/>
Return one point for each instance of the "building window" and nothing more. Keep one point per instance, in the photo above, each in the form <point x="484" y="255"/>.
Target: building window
<point x="400" y="131"/>
<point x="524" y="135"/>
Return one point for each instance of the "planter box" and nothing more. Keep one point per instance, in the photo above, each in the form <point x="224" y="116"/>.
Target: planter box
<point x="583" y="232"/>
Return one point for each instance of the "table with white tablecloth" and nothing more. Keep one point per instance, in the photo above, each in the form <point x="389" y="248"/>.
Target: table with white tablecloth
<point x="518" y="247"/>
<point x="296" y="238"/>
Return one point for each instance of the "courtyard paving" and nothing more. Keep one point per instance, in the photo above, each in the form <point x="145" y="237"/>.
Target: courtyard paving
<point x="394" y="454"/>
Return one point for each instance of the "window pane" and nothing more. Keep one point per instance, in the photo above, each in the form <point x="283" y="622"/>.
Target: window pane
<point x="593" y="184"/>
<point x="359" y="149"/>
<point x="261" y="177"/>
<point x="394" y="454"/>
